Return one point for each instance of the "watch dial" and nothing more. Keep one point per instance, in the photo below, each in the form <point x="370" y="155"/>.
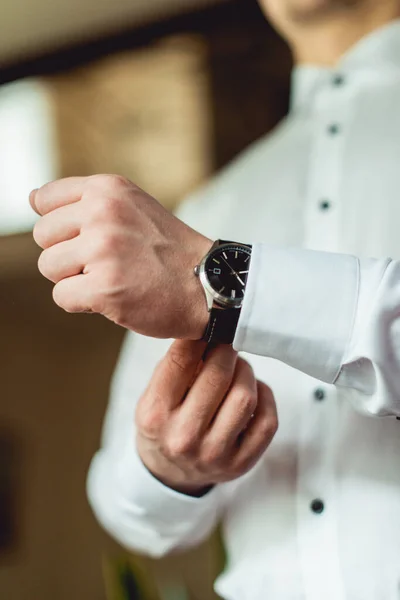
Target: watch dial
<point x="227" y="270"/>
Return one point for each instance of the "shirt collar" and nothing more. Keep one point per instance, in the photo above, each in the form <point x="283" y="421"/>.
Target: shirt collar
<point x="380" y="49"/>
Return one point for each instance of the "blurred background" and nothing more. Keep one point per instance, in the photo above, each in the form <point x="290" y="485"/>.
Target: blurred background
<point x="165" y="92"/>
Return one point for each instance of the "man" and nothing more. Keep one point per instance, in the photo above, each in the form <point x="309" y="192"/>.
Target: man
<point x="102" y="235"/>
<point x="319" y="515"/>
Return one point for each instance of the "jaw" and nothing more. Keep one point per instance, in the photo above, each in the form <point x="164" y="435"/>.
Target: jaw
<point x="319" y="11"/>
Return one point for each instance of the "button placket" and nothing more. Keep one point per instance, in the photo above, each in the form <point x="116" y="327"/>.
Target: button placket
<point x="322" y="231"/>
<point x="316" y="502"/>
<point x="316" y="496"/>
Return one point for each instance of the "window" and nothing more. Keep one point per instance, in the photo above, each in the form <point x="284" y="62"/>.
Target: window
<point x="28" y="151"/>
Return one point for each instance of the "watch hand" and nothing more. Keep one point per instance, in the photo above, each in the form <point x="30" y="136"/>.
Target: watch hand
<point x="243" y="272"/>
<point x="233" y="271"/>
<point x="237" y="276"/>
<point x="226" y="262"/>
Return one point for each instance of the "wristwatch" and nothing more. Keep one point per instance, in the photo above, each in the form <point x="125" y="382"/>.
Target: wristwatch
<point x="223" y="273"/>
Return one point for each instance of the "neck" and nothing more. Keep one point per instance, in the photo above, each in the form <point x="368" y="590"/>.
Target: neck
<point x="325" y="45"/>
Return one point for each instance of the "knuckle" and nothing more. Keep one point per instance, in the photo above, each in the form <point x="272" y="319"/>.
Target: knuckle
<point x="248" y="461"/>
<point x="218" y="375"/>
<point x="178" y="446"/>
<point x="211" y="457"/>
<point x="105" y="209"/>
<point x="107" y="295"/>
<point x="106" y="244"/>
<point x="149" y="422"/>
<point x="246" y="400"/>
<point x="244" y="466"/>
<point x="112" y="276"/>
<point x="180" y="359"/>
<point x="246" y="366"/>
<point x="97" y="303"/>
<point x="269" y="427"/>
<point x="108" y="182"/>
<point x="266" y="391"/>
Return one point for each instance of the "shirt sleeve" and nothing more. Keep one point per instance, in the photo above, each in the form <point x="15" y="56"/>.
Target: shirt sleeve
<point x="134" y="507"/>
<point x="335" y="317"/>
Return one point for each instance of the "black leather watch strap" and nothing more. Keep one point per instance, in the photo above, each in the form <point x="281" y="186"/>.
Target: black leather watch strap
<point x="222" y="326"/>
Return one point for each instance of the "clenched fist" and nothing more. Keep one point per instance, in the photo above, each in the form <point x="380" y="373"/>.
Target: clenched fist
<point x="199" y="424"/>
<point x="112" y="249"/>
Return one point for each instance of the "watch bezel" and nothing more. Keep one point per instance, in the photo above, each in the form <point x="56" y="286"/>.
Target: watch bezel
<point x="221" y="300"/>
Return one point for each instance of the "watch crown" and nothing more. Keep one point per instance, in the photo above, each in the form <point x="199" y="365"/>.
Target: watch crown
<point x="197" y="270"/>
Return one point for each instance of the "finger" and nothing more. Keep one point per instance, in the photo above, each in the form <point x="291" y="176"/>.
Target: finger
<point x="75" y="294"/>
<point x="32" y="197"/>
<point x="209" y="390"/>
<point x="175" y="373"/>
<point x="56" y="194"/>
<point x="58" y="226"/>
<point x="61" y="261"/>
<point x="236" y="410"/>
<point x="260" y="432"/>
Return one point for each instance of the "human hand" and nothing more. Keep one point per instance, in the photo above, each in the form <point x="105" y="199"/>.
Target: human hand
<point x="112" y="249"/>
<point x="216" y="431"/>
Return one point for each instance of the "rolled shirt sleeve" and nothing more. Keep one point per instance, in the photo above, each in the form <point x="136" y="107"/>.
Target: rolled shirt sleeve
<point x="332" y="316"/>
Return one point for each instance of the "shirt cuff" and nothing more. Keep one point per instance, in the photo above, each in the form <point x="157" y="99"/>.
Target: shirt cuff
<point x="299" y="308"/>
<point x="151" y="497"/>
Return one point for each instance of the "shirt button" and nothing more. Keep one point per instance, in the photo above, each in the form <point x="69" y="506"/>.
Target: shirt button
<point x="338" y="80"/>
<point x="319" y="394"/>
<point x="317" y="506"/>
<point x="333" y="129"/>
<point x="324" y="205"/>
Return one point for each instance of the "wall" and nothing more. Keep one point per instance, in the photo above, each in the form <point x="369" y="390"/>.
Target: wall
<point x="55" y="371"/>
<point x="29" y="28"/>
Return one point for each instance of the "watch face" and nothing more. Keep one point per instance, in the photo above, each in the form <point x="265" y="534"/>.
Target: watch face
<point x="227" y="270"/>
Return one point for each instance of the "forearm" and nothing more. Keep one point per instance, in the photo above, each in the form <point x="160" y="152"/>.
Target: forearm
<point x="334" y="317"/>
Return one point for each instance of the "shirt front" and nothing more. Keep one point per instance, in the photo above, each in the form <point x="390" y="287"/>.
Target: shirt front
<point x="319" y="516"/>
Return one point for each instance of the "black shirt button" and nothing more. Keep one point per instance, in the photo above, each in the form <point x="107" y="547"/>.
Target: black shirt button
<point x="338" y="80"/>
<point x="319" y="394"/>
<point x="333" y="129"/>
<point x="317" y="506"/>
<point x="324" y="205"/>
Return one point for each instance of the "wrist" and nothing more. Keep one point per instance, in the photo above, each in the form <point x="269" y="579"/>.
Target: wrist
<point x="197" y="306"/>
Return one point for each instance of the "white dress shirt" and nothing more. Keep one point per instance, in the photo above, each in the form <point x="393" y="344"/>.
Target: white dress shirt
<point x="319" y="517"/>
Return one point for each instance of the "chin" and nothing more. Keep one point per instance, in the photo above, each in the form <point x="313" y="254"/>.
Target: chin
<point x="280" y="11"/>
<point x="314" y="8"/>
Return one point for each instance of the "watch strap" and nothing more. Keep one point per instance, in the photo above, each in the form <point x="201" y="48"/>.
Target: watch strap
<point x="222" y="325"/>
<point x="223" y="242"/>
